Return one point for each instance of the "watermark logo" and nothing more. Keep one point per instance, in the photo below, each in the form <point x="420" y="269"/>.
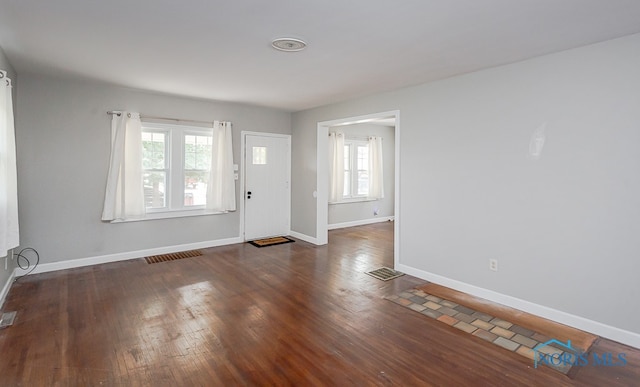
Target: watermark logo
<point x="557" y="354"/>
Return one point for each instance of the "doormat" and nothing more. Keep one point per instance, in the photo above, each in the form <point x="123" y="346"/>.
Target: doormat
<point x="384" y="274"/>
<point x="271" y="241"/>
<point x="523" y="341"/>
<point x="173" y="256"/>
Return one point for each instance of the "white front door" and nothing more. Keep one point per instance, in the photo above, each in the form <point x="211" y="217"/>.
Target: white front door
<point x="267" y="193"/>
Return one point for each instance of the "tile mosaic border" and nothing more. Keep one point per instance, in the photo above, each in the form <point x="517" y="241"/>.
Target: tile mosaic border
<point x="497" y="331"/>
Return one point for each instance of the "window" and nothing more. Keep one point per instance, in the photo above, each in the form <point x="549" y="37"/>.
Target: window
<point x="356" y="169"/>
<point x="154" y="168"/>
<point x="197" y="161"/>
<point x="165" y="171"/>
<point x="176" y="161"/>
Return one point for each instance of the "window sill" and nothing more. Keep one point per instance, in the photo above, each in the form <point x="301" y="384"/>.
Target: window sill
<point x="170" y="215"/>
<point x="354" y="200"/>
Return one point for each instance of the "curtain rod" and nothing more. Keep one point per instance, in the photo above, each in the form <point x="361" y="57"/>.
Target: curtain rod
<point x="164" y="118"/>
<point x="356" y="138"/>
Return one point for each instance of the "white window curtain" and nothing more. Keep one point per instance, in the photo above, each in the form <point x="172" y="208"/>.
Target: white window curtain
<point x="376" y="178"/>
<point x="9" y="230"/>
<point x="124" y="196"/>
<point x="336" y="166"/>
<point x="221" y="189"/>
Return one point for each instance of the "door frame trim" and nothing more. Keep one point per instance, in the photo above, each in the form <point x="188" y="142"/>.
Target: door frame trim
<point x="242" y="175"/>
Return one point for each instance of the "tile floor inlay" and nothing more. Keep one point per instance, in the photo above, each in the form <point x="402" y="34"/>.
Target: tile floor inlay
<point x="502" y="333"/>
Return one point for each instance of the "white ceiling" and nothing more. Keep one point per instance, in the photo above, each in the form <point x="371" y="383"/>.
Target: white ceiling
<point x="221" y="49"/>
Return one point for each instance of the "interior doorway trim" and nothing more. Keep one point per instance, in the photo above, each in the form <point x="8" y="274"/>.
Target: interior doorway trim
<point x="322" y="184"/>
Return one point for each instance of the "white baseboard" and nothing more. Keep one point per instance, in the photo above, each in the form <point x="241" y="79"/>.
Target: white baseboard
<point x="616" y="334"/>
<point x="6" y="288"/>
<point x="362" y="222"/>
<point x="81" y="262"/>
<point x="335" y="226"/>
<point x="304" y="237"/>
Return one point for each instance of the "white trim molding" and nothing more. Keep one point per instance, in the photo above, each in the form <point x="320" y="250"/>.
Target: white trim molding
<point x="616" y="334"/>
<point x="6" y="288"/>
<point x="82" y="262"/>
<point x="304" y="237"/>
<point x="335" y="226"/>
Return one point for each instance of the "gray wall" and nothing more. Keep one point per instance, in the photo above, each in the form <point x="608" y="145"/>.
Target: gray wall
<point x="358" y="211"/>
<point x="565" y="227"/>
<point x="63" y="136"/>
<point x="5" y="65"/>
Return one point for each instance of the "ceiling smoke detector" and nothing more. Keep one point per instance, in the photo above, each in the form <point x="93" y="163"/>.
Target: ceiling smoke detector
<point x="288" y="44"/>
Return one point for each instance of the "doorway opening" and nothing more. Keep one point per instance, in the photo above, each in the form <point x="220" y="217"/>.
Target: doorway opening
<point x="391" y="118"/>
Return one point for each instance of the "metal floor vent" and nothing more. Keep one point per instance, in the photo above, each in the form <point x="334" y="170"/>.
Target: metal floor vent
<point x="385" y="274"/>
<point x="173" y="256"/>
<point x="7" y="319"/>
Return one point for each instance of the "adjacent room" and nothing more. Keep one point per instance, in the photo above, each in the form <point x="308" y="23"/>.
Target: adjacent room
<point x="202" y="193"/>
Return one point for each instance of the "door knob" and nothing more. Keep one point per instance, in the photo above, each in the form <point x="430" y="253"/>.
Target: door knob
<point x="248" y="194"/>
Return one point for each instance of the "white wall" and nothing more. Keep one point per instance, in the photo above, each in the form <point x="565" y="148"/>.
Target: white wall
<point x="63" y="136"/>
<point x="5" y="275"/>
<point x="564" y="228"/>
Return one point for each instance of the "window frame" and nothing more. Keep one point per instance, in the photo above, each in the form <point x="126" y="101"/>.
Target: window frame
<point x="165" y="170"/>
<point x="175" y="167"/>
<point x="353" y="170"/>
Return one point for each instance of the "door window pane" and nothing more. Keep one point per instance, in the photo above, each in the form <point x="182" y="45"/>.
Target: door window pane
<point x="259" y="155"/>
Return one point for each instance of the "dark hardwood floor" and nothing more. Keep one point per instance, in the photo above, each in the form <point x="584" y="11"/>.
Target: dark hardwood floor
<point x="292" y="314"/>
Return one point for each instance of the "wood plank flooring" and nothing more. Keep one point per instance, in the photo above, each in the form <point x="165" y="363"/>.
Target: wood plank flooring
<point x="293" y="314"/>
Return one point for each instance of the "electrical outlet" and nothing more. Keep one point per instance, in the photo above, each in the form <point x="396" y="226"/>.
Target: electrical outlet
<point x="493" y="264"/>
